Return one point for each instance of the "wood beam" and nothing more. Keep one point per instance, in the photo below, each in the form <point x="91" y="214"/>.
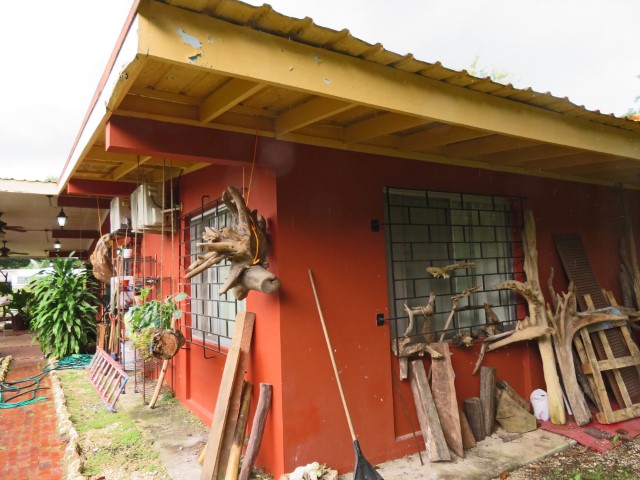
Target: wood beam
<point x="226" y="97"/>
<point x="344" y="78"/>
<point x="65" y="253"/>
<point x="314" y="110"/>
<point x="85" y="234"/>
<point x="164" y="96"/>
<point x="597" y="168"/>
<point x="98" y="153"/>
<point x="565" y="161"/>
<point x="126" y="168"/>
<point x="485" y="145"/>
<point x="175" y="141"/>
<point x="99" y="188"/>
<point x="379" y="125"/>
<point x="156" y="107"/>
<point x="438" y="135"/>
<point x="516" y="157"/>
<point x="83" y="202"/>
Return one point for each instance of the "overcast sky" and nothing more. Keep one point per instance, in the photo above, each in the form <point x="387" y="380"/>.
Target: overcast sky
<point x="53" y="54"/>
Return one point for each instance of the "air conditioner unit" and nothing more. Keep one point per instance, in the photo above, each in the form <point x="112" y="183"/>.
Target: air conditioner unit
<point x="120" y="213"/>
<point x="146" y="208"/>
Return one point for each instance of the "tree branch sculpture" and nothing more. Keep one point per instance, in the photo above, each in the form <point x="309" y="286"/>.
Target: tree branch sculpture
<point x="244" y="245"/>
<point x="536" y="324"/>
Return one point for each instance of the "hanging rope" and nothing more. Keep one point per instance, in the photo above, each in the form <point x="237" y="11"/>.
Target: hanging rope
<point x="164" y="166"/>
<point x="99" y="217"/>
<point x="253" y="164"/>
<point x="174" y="288"/>
<point x="30" y="386"/>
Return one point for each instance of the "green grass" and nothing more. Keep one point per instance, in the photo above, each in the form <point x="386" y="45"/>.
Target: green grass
<point x="109" y="440"/>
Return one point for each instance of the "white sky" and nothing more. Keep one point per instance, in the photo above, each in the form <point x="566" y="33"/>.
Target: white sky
<point x="53" y="54"/>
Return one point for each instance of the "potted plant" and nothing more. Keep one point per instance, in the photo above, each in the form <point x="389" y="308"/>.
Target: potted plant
<point x="150" y="325"/>
<point x="64" y="306"/>
<point x="20" y="304"/>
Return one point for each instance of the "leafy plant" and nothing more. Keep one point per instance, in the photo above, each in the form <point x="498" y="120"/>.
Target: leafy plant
<point x="20" y="300"/>
<point x="63" y="308"/>
<point x="153" y="315"/>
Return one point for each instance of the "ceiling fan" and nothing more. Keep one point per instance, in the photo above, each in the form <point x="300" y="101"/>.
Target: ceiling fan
<point x="14" y="228"/>
<point x="7" y="252"/>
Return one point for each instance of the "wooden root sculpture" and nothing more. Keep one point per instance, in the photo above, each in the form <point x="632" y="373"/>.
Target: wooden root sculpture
<point x="101" y="259"/>
<point x="244" y="244"/>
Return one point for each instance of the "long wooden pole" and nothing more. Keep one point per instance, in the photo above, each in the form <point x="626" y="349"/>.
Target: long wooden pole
<point x="257" y="430"/>
<point x="333" y="360"/>
<point x="238" y="437"/>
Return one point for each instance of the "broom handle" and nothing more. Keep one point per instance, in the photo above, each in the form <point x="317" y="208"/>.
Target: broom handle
<point x="333" y="360"/>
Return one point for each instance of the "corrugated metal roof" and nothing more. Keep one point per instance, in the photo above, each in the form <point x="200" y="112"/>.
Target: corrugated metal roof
<point x="266" y="19"/>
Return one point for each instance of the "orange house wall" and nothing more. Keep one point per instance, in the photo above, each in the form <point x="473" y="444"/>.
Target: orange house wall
<point x="319" y="204"/>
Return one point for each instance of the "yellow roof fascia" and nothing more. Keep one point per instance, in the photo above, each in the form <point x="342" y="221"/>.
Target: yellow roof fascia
<point x="187" y="38"/>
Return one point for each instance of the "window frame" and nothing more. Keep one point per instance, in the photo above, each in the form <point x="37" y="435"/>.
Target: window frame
<point x="431" y="242"/>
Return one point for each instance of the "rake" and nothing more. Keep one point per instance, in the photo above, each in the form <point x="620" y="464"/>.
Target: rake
<point x="363" y="470"/>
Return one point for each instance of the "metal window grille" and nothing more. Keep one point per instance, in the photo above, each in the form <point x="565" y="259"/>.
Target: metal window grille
<point x="211" y="317"/>
<point x="436" y="229"/>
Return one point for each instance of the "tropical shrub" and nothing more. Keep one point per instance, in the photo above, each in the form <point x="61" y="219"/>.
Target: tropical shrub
<point x="63" y="308"/>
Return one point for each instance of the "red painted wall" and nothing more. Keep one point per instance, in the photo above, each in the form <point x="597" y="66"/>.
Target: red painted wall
<point x="326" y="200"/>
<point x="319" y="204"/>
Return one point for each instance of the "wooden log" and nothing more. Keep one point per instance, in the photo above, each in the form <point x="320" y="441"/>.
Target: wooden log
<point x="468" y="440"/>
<point x="512" y="417"/>
<point x="229" y="393"/>
<point x="435" y="443"/>
<point x="473" y="412"/>
<point x="488" y="398"/>
<point x="257" y="430"/>
<point x="444" y="397"/>
<point x="504" y="387"/>
<point x="166" y="343"/>
<point x="238" y="437"/>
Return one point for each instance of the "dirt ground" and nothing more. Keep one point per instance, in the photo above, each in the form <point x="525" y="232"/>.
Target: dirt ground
<point x="581" y="463"/>
<point x="178" y="437"/>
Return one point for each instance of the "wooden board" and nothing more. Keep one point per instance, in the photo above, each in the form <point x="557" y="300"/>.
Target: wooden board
<point x="434" y="440"/>
<point x="444" y="397"/>
<point x="578" y="268"/>
<point x="468" y="440"/>
<point x="473" y="411"/>
<point x="227" y="407"/>
<point x="595" y="366"/>
<point x="488" y="398"/>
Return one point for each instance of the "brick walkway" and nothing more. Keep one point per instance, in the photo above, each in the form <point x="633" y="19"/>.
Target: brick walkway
<point x="30" y="448"/>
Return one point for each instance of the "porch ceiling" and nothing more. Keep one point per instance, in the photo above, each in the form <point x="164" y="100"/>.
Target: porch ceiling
<point x="222" y="64"/>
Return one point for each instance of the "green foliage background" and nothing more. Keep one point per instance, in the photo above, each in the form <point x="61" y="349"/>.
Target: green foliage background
<point x="63" y="308"/>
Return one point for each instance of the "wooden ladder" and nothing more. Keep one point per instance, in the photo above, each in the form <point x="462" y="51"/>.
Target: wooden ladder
<point x="107" y="377"/>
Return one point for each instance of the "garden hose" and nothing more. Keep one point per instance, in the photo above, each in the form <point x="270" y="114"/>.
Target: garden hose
<point x="31" y="386"/>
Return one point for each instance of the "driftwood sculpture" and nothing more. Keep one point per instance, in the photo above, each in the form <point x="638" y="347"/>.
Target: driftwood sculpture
<point x="454" y="307"/>
<point x="101" y="259"/>
<point x="492" y="324"/>
<point x="445" y="272"/>
<point x="406" y="346"/>
<point x="244" y="245"/>
<point x="536" y="325"/>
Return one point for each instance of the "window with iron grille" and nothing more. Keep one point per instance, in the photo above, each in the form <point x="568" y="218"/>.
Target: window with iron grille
<point x="212" y="315"/>
<point x="437" y="229"/>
